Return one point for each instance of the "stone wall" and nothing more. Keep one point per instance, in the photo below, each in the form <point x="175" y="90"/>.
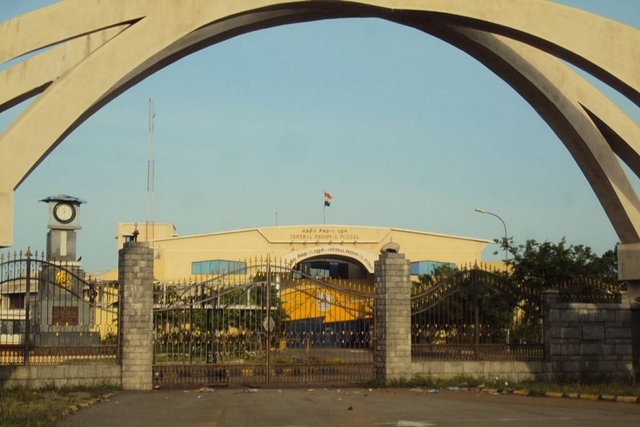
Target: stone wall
<point x="588" y="342"/>
<point x="59" y="375"/>
<point x="510" y="371"/>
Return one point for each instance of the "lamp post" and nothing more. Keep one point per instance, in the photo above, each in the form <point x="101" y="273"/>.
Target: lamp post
<point x="506" y="236"/>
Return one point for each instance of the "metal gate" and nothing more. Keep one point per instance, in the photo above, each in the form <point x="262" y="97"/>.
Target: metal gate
<point x="262" y="323"/>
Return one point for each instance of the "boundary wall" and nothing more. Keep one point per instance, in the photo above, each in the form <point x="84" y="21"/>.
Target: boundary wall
<point x="588" y="342"/>
<point x="508" y="370"/>
<point x="40" y="376"/>
<point x="133" y="370"/>
<point x="583" y="342"/>
<point x="393" y="335"/>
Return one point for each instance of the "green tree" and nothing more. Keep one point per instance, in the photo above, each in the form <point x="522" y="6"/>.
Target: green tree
<point x="536" y="266"/>
<point x="550" y="266"/>
<point x="427" y="281"/>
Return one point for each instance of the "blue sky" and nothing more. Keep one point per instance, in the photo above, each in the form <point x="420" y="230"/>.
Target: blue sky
<point x="403" y="129"/>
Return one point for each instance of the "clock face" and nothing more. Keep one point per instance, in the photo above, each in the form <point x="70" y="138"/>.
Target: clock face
<point x="64" y="213"/>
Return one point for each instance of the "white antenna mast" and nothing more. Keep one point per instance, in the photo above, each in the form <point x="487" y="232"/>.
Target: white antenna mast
<point x="150" y="173"/>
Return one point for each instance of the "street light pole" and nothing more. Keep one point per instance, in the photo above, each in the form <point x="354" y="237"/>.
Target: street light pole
<point x="506" y="236"/>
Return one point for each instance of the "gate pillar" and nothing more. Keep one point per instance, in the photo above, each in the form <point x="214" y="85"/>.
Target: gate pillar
<point x="392" y="315"/>
<point x="629" y="271"/>
<point x="135" y="274"/>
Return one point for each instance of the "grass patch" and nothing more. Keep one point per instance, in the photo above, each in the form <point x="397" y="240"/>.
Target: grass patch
<point x="537" y="388"/>
<point x="613" y="389"/>
<point x="24" y="407"/>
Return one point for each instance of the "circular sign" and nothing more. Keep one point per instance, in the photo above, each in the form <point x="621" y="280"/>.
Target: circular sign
<point x="64" y="279"/>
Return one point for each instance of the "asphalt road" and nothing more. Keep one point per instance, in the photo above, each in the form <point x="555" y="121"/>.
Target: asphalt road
<point x="331" y="407"/>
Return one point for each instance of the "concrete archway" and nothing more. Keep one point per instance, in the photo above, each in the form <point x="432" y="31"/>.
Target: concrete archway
<point x="363" y="259"/>
<point x="138" y="38"/>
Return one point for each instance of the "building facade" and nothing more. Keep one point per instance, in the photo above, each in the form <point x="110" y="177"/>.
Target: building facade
<point x="324" y="251"/>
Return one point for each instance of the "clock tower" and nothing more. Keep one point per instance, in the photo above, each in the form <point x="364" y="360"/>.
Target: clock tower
<point x="64" y="220"/>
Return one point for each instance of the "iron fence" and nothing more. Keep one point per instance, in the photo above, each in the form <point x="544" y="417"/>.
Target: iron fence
<point x="479" y="314"/>
<point x="475" y="314"/>
<point x="50" y="313"/>
<point x="589" y="290"/>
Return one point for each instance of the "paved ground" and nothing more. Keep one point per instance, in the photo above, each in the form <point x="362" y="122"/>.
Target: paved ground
<point x="332" y="407"/>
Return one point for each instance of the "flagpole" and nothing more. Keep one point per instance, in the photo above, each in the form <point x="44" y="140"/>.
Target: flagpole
<point x="324" y="213"/>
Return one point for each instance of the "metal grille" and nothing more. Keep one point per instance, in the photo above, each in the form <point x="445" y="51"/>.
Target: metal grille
<point x="584" y="290"/>
<point x="475" y="314"/>
<point x="262" y="324"/>
<point x="51" y="314"/>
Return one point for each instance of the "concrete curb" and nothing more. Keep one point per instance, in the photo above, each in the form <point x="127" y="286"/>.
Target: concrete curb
<point x="627" y="399"/>
<point x="590" y="396"/>
<point x="556" y="394"/>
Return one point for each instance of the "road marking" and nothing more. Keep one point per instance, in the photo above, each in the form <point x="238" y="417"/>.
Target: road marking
<point x="404" y="423"/>
<point x="413" y="424"/>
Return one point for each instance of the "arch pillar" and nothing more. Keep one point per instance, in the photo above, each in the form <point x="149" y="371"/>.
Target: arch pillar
<point x="100" y="49"/>
<point x="6" y="218"/>
<point x="629" y="268"/>
<point x="629" y="272"/>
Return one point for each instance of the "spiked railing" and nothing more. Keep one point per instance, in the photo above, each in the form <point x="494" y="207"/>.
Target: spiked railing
<point x="51" y="313"/>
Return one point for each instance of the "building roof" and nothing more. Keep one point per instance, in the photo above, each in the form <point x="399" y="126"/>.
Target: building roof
<point x="63" y="198"/>
<point x="17" y="286"/>
<point x="265" y="231"/>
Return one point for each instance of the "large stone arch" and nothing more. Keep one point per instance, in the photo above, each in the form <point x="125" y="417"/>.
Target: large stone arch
<point x="90" y="51"/>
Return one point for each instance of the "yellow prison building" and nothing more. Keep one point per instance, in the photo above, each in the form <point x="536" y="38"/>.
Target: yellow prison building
<point x="326" y="251"/>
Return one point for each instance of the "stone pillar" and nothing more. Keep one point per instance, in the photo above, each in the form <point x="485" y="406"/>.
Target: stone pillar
<point x="549" y="331"/>
<point x="629" y="271"/>
<point x="135" y="274"/>
<point x="392" y="316"/>
<point x="634" y="297"/>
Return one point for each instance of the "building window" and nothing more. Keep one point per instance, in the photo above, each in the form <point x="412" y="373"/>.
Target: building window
<point x="16" y="301"/>
<point x="428" y="267"/>
<point x="325" y="269"/>
<point x="217" y="267"/>
<point x="12" y="326"/>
